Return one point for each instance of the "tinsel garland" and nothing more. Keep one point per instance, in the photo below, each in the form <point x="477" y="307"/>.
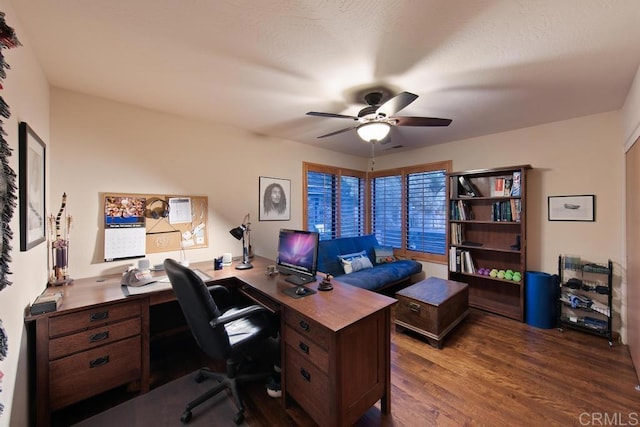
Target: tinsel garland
<point x="8" y="187"/>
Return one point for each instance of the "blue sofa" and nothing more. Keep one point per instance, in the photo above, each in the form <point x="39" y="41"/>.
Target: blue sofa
<point x="376" y="278"/>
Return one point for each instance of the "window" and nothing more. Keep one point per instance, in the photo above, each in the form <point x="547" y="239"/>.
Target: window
<point x="406" y="207"/>
<point x="335" y="201"/>
<point x="409" y="210"/>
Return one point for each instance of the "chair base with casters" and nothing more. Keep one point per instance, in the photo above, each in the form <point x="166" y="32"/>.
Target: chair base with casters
<point x="229" y="381"/>
<point x="233" y="334"/>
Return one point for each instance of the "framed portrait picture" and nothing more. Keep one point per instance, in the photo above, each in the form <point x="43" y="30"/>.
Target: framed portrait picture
<point x="275" y="199"/>
<point x="572" y="208"/>
<point x="31" y="151"/>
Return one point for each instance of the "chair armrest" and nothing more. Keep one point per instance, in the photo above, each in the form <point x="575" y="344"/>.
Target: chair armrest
<point x="244" y="312"/>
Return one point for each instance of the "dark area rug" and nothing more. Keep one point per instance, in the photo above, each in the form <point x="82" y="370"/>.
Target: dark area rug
<point x="164" y="405"/>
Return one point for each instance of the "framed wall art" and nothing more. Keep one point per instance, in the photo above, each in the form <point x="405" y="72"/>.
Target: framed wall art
<point x="572" y="208"/>
<point x="32" y="160"/>
<point x="274" y="199"/>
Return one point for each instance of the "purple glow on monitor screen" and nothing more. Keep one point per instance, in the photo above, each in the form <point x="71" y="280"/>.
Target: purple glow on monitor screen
<point x="297" y="250"/>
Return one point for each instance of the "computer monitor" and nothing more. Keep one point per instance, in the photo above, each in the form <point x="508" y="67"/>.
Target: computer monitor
<point x="298" y="255"/>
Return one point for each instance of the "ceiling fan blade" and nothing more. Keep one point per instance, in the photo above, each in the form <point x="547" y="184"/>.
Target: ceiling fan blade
<point x="331" y="115"/>
<point x="337" y="132"/>
<point x="421" y="121"/>
<point x="396" y="103"/>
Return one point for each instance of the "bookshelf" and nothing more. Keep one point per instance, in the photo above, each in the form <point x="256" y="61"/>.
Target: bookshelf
<point x="487" y="237"/>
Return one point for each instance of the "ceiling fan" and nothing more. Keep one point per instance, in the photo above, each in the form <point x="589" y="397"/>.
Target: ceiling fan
<point x="375" y="121"/>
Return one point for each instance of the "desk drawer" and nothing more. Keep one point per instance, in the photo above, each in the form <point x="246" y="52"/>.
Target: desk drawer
<point x="64" y="346"/>
<point x="86" y="374"/>
<point x="98" y="316"/>
<point x="307" y="348"/>
<point x="308" y="386"/>
<point x="308" y="328"/>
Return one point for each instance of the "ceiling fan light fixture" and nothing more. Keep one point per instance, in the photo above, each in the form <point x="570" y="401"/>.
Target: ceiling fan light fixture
<point x="373" y="131"/>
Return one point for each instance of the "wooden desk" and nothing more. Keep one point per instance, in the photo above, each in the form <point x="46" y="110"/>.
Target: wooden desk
<point x="335" y="344"/>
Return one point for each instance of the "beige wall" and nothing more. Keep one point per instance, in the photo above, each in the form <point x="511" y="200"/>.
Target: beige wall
<point x="26" y="91"/>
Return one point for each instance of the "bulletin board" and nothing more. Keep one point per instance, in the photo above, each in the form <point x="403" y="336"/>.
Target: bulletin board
<point x="140" y="224"/>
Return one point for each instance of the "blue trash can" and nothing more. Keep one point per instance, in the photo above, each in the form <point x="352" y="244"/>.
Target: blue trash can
<point x="541" y="299"/>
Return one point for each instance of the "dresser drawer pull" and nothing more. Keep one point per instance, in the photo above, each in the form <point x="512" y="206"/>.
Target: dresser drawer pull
<point x="414" y="307"/>
<point x="101" y="315"/>
<point x="304" y="325"/>
<point x="100" y="361"/>
<point x="99" y="336"/>
<point x="303" y="347"/>
<point x="306" y="375"/>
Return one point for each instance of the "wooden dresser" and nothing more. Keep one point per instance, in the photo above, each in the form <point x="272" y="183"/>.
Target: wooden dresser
<point x="79" y="354"/>
<point x="92" y="351"/>
<point x="335" y="377"/>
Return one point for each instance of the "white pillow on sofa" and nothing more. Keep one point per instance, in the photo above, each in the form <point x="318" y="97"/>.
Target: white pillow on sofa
<point x="355" y="262"/>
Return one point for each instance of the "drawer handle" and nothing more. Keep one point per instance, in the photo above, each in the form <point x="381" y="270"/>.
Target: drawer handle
<point x="100" y="361"/>
<point x="304" y="325"/>
<point x="99" y="337"/>
<point x="101" y="315"/>
<point x="414" y="307"/>
<point x="306" y="375"/>
<point x="303" y="347"/>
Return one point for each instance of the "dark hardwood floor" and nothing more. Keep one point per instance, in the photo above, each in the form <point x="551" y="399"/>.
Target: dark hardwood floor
<point x="490" y="371"/>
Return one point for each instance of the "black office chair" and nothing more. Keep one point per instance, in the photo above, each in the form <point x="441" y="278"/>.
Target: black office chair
<point x="230" y="336"/>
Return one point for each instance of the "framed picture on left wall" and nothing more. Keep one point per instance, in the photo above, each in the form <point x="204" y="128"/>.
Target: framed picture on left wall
<point x="32" y="163"/>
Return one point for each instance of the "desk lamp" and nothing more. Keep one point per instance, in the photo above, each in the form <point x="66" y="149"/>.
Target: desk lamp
<point x="239" y="233"/>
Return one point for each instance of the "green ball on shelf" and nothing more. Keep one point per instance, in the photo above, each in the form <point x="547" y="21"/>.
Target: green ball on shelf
<point x="493" y="273"/>
<point x="516" y="276"/>
<point x="508" y="275"/>
<point x="500" y="274"/>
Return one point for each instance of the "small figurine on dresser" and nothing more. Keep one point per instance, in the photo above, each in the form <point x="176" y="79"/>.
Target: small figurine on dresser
<point x="59" y="258"/>
<point x="326" y="285"/>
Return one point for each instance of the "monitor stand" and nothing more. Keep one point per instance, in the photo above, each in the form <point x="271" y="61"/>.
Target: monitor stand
<point x="299" y="291"/>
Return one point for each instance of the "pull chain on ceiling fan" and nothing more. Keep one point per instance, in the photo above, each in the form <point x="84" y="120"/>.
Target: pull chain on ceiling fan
<point x="375" y="121"/>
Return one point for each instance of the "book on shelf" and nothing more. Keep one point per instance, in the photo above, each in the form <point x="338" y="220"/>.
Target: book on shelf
<point x="468" y="189"/>
<point x="457" y="234"/>
<point x="460" y="211"/>
<point x="516" y="185"/>
<point x="455" y="259"/>
<point x="508" y="182"/>
<point x="460" y="261"/>
<point x="497" y="186"/>
<point x="452" y="259"/>
<point x="469" y="267"/>
<point x="517" y="210"/>
<point x="506" y="211"/>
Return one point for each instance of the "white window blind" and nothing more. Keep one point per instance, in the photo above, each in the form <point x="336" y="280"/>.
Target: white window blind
<point x="386" y="210"/>
<point x="426" y="212"/>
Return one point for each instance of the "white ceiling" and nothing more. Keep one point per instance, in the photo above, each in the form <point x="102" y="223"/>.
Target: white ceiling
<point x="489" y="65"/>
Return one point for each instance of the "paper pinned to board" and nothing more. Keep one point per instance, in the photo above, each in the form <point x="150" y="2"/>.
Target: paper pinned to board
<point x="179" y="210"/>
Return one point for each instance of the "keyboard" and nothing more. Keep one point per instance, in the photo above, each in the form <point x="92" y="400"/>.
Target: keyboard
<point x="299" y="280"/>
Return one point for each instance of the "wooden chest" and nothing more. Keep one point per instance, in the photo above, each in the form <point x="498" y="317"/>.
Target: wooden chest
<point x="432" y="308"/>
